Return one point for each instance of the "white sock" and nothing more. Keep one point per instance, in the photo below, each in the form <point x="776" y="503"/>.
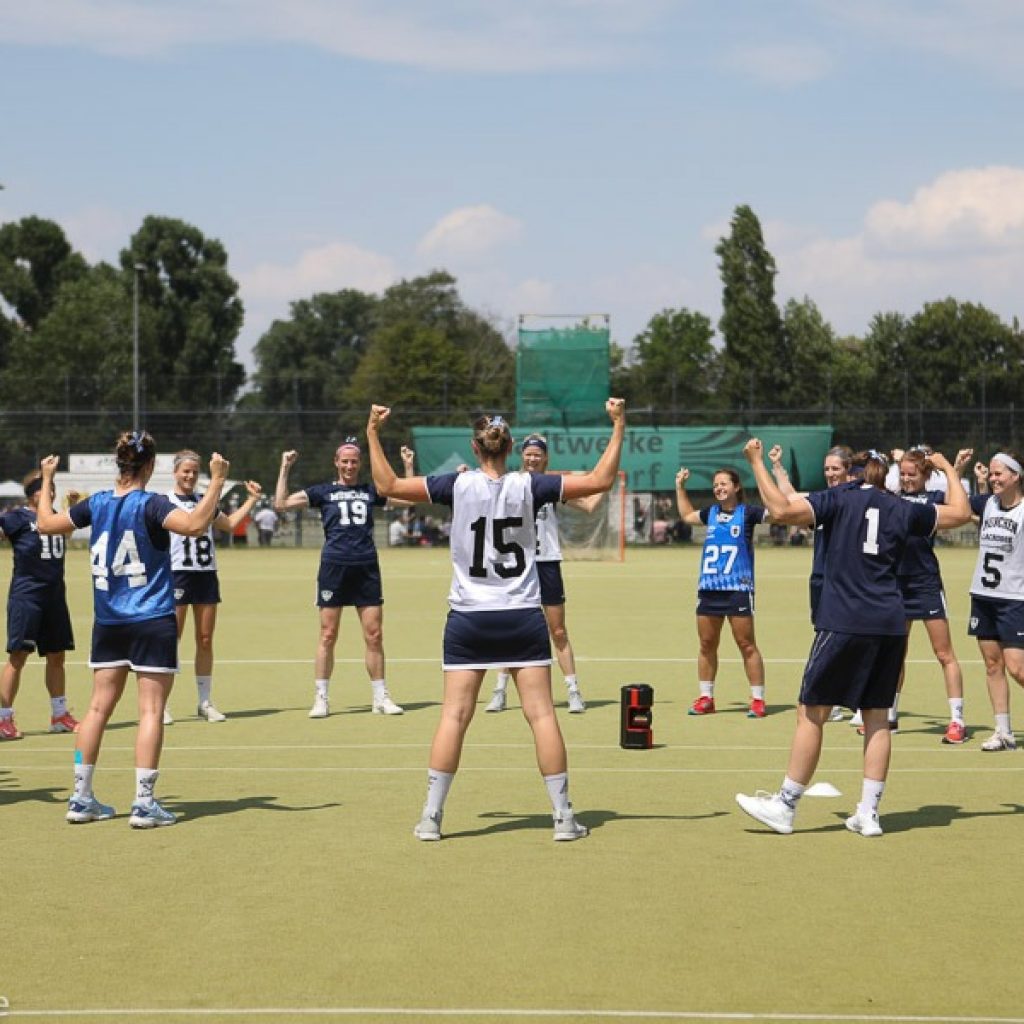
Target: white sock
<point x="205" y="685"/>
<point x="145" y="781"/>
<point x="558" y="791"/>
<point x="870" y="797"/>
<point x="321" y="687"/>
<point x="790" y="792"/>
<point x="894" y="710"/>
<point x="572" y="683"/>
<point x="1003" y="724"/>
<point x="707" y="689"/>
<point x="380" y="688"/>
<point x="956" y="709"/>
<point x="501" y="680"/>
<point x="58" y="706"/>
<point x="757" y="692"/>
<point x="438" y="784"/>
<point x="83" y="781"/>
<point x="6" y="713"/>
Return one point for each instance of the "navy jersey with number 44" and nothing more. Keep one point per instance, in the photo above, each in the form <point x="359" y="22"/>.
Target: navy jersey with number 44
<point x="347" y="516"/>
<point x="38" y="559"/>
<point x="868" y="531"/>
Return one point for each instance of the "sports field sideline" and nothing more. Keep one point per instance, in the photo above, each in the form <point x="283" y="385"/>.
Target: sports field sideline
<point x="292" y="886"/>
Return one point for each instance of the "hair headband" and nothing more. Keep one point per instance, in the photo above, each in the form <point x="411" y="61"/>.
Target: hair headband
<point x="1008" y="461"/>
<point x="349" y="442"/>
<point x="185" y="457"/>
<point x="874" y="453"/>
<point x="535" y="442"/>
<point x="32" y="486"/>
<point x="137" y="441"/>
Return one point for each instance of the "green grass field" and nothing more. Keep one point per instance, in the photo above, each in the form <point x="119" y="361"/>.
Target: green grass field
<point x="292" y="885"/>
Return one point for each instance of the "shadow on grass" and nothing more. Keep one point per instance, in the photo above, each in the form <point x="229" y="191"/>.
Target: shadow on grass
<point x="195" y="809"/>
<point x="938" y="816"/>
<point x="593" y="819"/>
<point x="408" y="706"/>
<point x="46" y="795"/>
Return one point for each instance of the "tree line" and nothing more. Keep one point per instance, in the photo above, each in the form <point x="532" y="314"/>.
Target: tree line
<point x="66" y="330"/>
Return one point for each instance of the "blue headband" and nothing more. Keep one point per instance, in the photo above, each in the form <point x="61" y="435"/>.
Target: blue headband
<point x="535" y="442"/>
<point x="136" y="441"/>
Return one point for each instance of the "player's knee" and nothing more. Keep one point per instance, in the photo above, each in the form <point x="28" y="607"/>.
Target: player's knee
<point x="374" y="638"/>
<point x="559" y="636"/>
<point x="328" y="636"/>
<point x="204" y="641"/>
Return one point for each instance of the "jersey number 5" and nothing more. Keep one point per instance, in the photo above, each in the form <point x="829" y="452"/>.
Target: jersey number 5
<point x="126" y="561"/>
<point x="505" y="547"/>
<point x="991" y="577"/>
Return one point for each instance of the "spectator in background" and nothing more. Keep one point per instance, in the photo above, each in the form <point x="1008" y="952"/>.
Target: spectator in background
<point x="266" y="525"/>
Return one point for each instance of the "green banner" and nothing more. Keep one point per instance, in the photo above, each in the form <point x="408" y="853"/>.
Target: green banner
<point x="650" y="457"/>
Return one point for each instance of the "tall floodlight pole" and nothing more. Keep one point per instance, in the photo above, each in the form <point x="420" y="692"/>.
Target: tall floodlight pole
<point x="138" y="267"/>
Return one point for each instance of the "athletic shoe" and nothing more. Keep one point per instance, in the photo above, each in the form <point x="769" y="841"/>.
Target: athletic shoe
<point x="64" y="723"/>
<point x="956" y="732"/>
<point x="999" y="741"/>
<point x="769" y="809"/>
<point x="702" y="706"/>
<point x="168" y="717"/>
<point x="866" y="825"/>
<point x="384" y="705"/>
<point x="567" y="828"/>
<point x="321" y="708"/>
<point x="429" y="827"/>
<point x="497" y="701"/>
<point x="836" y="714"/>
<point x="8" y="730"/>
<point x="756" y="709"/>
<point x="210" y="713"/>
<point x="856" y="718"/>
<point x="81" y="810"/>
<point x="577" y="705"/>
<point x="150" y="815"/>
<point x="894" y="726"/>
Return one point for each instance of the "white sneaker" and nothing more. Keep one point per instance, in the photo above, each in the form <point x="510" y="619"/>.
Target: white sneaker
<point x="577" y="705"/>
<point x="865" y="824"/>
<point x="567" y="828"/>
<point x="999" y="741"/>
<point x="384" y="705"/>
<point x="429" y="827"/>
<point x="857" y="718"/>
<point x="168" y="717"/>
<point x="321" y="708"/>
<point x="769" y="809"/>
<point x="836" y="715"/>
<point x="497" y="701"/>
<point x="210" y="713"/>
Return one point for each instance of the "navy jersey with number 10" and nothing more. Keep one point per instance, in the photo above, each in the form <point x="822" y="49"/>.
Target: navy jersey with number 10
<point x="38" y="558"/>
<point x="868" y="530"/>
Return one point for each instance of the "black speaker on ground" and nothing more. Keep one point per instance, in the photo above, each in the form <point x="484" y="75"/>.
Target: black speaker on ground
<point x="636" y="717"/>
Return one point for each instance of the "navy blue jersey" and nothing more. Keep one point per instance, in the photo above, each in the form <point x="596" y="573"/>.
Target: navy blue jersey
<point x="919" y="561"/>
<point x="818" y="556"/>
<point x="130" y="552"/>
<point x="868" y="530"/>
<point x="38" y="559"/>
<point x="727" y="561"/>
<point x="347" y="516"/>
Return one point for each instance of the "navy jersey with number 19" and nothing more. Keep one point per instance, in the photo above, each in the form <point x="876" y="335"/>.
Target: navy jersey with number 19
<point x="868" y="531"/>
<point x="347" y="516"/>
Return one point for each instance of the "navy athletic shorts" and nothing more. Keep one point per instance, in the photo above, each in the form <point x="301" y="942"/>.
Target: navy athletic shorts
<point x="724" y="604"/>
<point x="196" y="588"/>
<point x="995" y="618"/>
<point x="552" y="589"/>
<point x="923" y="598"/>
<point x="147" y="646"/>
<point x="39" y="623"/>
<point x="514" y="638"/>
<point x="853" y="671"/>
<point x="341" y="586"/>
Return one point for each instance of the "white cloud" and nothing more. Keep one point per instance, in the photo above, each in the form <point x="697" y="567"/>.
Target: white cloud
<point x="464" y="35"/>
<point x="781" y="64"/>
<point x="98" y="232"/>
<point x="469" y="233"/>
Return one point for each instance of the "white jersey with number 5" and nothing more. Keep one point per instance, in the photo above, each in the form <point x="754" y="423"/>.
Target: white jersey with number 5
<point x="999" y="571"/>
<point x="494" y="536"/>
<point x="192" y="554"/>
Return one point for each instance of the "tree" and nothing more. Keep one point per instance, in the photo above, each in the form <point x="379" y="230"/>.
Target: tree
<point x="755" y="360"/>
<point x="36" y="259"/>
<point x="811" y="344"/>
<point x="196" y="315"/>
<point x="675" y="364"/>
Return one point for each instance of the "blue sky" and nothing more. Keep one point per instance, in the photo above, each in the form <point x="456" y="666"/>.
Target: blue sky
<point x="555" y="155"/>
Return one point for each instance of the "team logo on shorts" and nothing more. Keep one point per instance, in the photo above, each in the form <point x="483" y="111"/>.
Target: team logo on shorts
<point x="326" y="595"/>
<point x="974" y="622"/>
<point x="734" y="531"/>
<point x="179" y="593"/>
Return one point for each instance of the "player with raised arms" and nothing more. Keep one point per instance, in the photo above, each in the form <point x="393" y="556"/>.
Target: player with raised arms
<point x="997" y="588"/>
<point x="196" y="584"/>
<point x="37" y="612"/>
<point x="349" y="573"/>
<point x="725" y="589"/>
<point x="133" y="597"/>
<point x="860" y="631"/>
<point x="495" y="616"/>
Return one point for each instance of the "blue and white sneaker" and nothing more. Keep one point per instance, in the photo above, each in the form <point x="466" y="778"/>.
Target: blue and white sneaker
<point x="83" y="809"/>
<point x="150" y="815"/>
